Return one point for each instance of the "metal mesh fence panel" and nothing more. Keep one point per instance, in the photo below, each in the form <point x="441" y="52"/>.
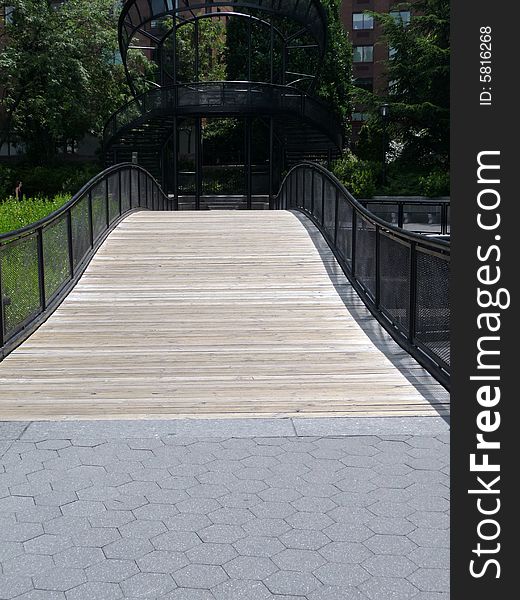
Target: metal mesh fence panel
<point x="113" y="196"/>
<point x="424" y="217"/>
<point x="387" y="212"/>
<point x="20" y="283"/>
<point x="151" y="203"/>
<point x="344" y="235"/>
<point x="394" y="281"/>
<point x="56" y="260"/>
<point x="308" y="191"/>
<point x="125" y="191"/>
<point x="99" y="209"/>
<point x="329" y="209"/>
<point x="365" y="266"/>
<point x="142" y="191"/>
<point x="318" y="197"/>
<point x="134" y="192"/>
<point x="80" y="230"/>
<point x="432" y="321"/>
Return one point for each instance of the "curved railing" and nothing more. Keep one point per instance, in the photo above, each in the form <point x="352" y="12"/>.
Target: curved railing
<point x="402" y="277"/>
<point x="40" y="263"/>
<point x="224" y="97"/>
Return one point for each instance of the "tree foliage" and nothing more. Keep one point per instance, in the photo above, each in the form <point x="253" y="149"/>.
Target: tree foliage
<point x="418" y="94"/>
<point x="60" y="73"/>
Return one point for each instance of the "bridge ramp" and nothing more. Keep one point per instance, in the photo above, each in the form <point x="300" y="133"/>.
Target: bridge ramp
<point x="215" y="313"/>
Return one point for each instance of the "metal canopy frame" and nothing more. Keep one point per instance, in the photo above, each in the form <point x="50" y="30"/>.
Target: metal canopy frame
<point x="298" y="126"/>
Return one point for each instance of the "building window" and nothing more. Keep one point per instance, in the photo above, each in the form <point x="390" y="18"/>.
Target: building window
<point x="365" y="83"/>
<point x="359" y="116"/>
<point x="401" y="16"/>
<point x="362" y="21"/>
<point x="363" y="54"/>
<point x="8" y="14"/>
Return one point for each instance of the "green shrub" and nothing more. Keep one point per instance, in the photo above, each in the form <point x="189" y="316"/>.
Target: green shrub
<point x="15" y="214"/>
<point x="435" y="184"/>
<point x="358" y="176"/>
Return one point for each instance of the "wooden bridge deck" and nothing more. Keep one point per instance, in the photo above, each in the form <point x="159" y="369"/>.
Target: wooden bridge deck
<point x="217" y="313"/>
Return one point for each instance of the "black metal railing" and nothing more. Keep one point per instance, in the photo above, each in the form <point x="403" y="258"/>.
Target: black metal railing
<point x="40" y="263"/>
<point x="401" y="276"/>
<point x="430" y="216"/>
<point x="225" y="97"/>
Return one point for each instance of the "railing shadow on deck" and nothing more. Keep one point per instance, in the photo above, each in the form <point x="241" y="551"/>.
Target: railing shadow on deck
<point x="40" y="263"/>
<point x="402" y="277"/>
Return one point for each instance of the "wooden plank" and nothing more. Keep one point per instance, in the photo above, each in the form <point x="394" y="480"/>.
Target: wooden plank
<point x="213" y="314"/>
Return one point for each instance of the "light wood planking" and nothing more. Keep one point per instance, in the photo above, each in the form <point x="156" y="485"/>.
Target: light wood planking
<point x="216" y="313"/>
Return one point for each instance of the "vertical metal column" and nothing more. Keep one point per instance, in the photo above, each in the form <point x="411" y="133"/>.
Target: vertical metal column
<point x="248" y="161"/>
<point x="175" y="163"/>
<point x="198" y="162"/>
<point x="271" y="160"/>
<point x="41" y="268"/>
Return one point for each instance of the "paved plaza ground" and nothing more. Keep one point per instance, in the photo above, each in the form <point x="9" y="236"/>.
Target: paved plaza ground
<point x="249" y="509"/>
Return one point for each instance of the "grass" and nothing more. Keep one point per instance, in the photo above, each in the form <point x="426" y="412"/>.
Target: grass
<point x="15" y="214"/>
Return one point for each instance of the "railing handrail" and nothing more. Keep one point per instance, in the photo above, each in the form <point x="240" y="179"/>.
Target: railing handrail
<point x="417" y="238"/>
<point x="44" y="221"/>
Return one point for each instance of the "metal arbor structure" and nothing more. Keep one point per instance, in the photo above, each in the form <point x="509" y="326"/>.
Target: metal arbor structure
<point x="233" y="136"/>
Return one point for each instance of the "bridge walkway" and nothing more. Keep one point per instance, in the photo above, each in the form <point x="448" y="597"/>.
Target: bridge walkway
<point x="209" y="314"/>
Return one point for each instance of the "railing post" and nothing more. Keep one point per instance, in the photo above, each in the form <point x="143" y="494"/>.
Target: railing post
<point x="120" y="198"/>
<point x="354" y="235"/>
<point x="336" y="213"/>
<point x="138" y="188"/>
<point x="41" y="267"/>
<point x="400" y="214"/>
<point x="2" y="327"/>
<point x="90" y="220"/>
<point x="322" y="200"/>
<point x="107" y="203"/>
<point x="378" y="266"/>
<point x="413" y="292"/>
<point x="69" y="242"/>
<point x="312" y="191"/>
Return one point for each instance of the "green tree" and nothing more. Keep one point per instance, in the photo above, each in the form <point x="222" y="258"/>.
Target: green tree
<point x="418" y="94"/>
<point x="60" y="72"/>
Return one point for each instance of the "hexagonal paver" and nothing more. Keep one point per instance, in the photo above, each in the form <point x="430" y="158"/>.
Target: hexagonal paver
<point x="431" y="558"/>
<point x="341" y="574"/>
<point x="309" y="520"/>
<point x="330" y="592"/>
<point x="142" y="529"/>
<point x="230" y="516"/>
<point x="348" y="532"/>
<point x="304" y="539"/>
<point x="147" y="585"/>
<point x="250" y="567"/>
<point x="389" y="588"/>
<point x="128" y="548"/>
<point x="389" y="544"/>
<point x="14" y="585"/>
<point x="390" y="525"/>
<point x="258" y="546"/>
<point x="112" y="570"/>
<point x="162" y="561"/>
<point x="345" y="552"/>
<point x="79" y="558"/>
<point x="222" y="534"/>
<point x="188" y="594"/>
<point x="20" y="532"/>
<point x="298" y="560"/>
<point x="241" y="590"/>
<point x="211" y="554"/>
<point x="389" y="566"/>
<point x="95" y="590"/>
<point x="31" y="565"/>
<point x="48" y="544"/>
<point x="200" y="576"/>
<point x="266" y="527"/>
<point x="431" y="580"/>
<point x="430" y="538"/>
<point x="59" y="579"/>
<point x="176" y="541"/>
<point x="291" y="583"/>
<point x="432" y="520"/>
<point x="98" y="537"/>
